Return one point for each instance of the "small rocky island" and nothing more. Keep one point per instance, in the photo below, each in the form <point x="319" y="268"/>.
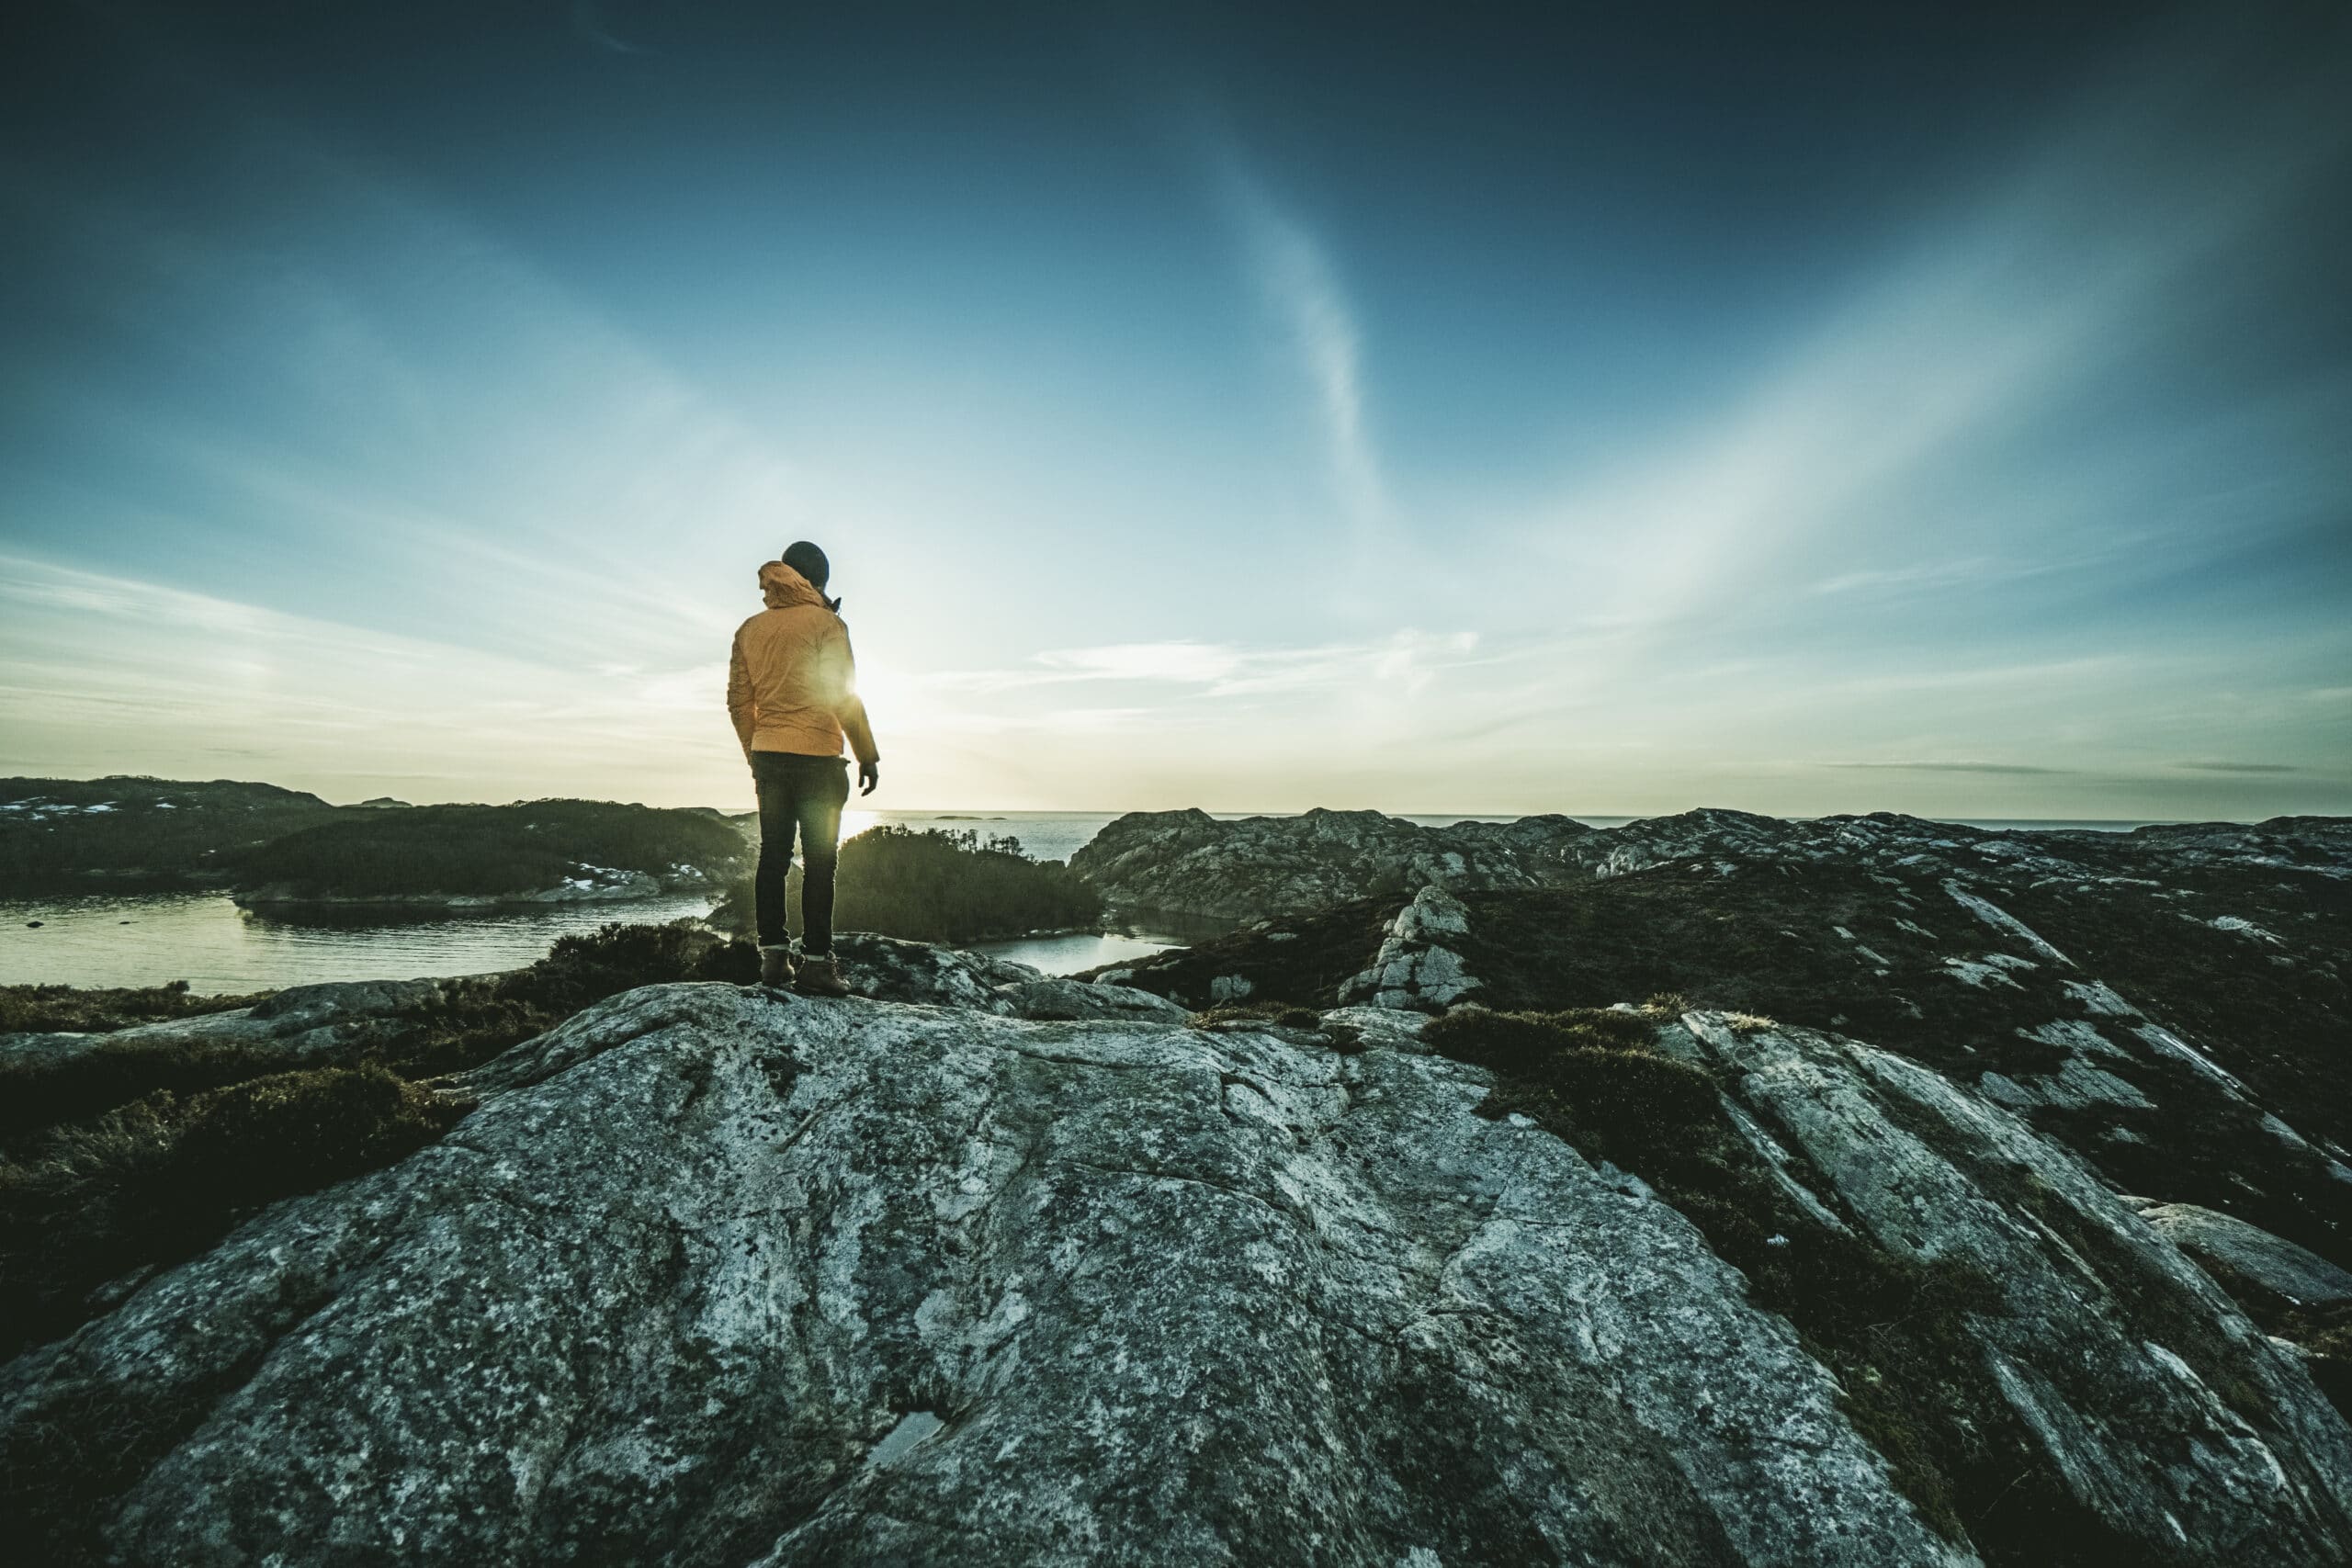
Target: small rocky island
<point x="290" y="851"/>
<point x="1727" y="1193"/>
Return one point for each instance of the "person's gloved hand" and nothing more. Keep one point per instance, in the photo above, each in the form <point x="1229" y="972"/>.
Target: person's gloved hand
<point x="868" y="775"/>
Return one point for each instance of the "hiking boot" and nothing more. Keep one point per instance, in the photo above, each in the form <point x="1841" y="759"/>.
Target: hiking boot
<point x="820" y="976"/>
<point x="775" y="966"/>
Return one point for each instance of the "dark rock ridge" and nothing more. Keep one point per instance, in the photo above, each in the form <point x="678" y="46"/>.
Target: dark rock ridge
<point x="718" y="1276"/>
<point x="275" y="846"/>
<point x="122" y="834"/>
<point x="1189" y="863"/>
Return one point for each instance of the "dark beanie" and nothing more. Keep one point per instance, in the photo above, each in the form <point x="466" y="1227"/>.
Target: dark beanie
<point x="809" y="562"/>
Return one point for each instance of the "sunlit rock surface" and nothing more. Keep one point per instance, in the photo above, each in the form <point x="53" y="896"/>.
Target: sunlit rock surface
<point x="718" y="1276"/>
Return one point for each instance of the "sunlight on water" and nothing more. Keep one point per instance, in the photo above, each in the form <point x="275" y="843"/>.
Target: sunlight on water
<point x="1068" y="955"/>
<point x="207" y="941"/>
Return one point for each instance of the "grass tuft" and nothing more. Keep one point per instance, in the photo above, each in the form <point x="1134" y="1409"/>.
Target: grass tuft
<point x="1256" y="1015"/>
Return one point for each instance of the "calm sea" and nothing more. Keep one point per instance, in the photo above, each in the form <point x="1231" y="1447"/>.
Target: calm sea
<point x="207" y="941"/>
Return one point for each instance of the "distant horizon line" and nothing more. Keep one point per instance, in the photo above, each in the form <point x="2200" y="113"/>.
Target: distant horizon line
<point x="983" y="812"/>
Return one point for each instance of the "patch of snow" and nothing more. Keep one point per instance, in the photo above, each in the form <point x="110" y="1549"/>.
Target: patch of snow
<point x="2244" y="927"/>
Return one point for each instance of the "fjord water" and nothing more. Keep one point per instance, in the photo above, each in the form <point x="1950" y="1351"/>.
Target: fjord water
<point x="207" y="941"/>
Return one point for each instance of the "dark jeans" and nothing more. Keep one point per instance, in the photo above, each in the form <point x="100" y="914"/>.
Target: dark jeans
<point x="805" y="795"/>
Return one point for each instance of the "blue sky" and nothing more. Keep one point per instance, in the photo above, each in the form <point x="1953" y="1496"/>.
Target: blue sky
<point x="1590" y="407"/>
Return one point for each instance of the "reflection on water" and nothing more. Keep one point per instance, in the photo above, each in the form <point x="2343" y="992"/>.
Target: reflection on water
<point x="1069" y="954"/>
<point x="207" y="941"/>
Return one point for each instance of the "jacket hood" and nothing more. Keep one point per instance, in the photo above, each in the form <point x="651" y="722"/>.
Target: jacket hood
<point x="783" y="588"/>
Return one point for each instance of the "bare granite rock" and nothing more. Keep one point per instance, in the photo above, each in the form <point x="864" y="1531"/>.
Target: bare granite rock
<point x="1059" y="998"/>
<point x="721" y="1276"/>
<point x="1419" y="965"/>
<point x="2296" y="1275"/>
<point x="888" y="968"/>
<point x="2174" y="1006"/>
<point x="2171" y="1417"/>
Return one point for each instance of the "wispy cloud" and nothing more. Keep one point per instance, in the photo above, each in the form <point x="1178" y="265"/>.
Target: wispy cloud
<point x="2240" y="767"/>
<point x="124" y="671"/>
<point x="1294" y="272"/>
<point x="1174" y="662"/>
<point x="1999" y="768"/>
<point x="1404" y="662"/>
<point x="2001" y="317"/>
<point x="588" y="22"/>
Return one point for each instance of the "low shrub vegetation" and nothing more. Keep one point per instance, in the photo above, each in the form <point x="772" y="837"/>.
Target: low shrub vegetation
<point x="126" y="1155"/>
<point x="70" y="1010"/>
<point x="484" y="851"/>
<point x="1256" y="1015"/>
<point x="161" y="1178"/>
<point x="937" y="884"/>
<point x="149" y="1184"/>
<point x="40" y="1091"/>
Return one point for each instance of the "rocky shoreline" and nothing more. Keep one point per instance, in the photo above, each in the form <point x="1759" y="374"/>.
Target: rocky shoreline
<point x="592" y="885"/>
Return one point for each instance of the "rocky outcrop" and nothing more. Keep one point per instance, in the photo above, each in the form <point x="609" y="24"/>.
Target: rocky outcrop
<point x="1189" y="863"/>
<point x="305" y="1023"/>
<point x="886" y="968"/>
<point x="2096" y="1310"/>
<point x="1414" y="967"/>
<point x="2296" y="1275"/>
<point x="2185" y="1034"/>
<point x="721" y="1275"/>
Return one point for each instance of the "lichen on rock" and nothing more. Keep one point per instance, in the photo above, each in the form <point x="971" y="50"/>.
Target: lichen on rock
<point x="685" y="1285"/>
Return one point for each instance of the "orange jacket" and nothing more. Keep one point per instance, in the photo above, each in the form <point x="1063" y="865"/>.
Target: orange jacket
<point x="792" y="683"/>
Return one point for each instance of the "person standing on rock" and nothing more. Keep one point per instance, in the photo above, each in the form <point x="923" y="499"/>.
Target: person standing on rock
<point x="792" y="691"/>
